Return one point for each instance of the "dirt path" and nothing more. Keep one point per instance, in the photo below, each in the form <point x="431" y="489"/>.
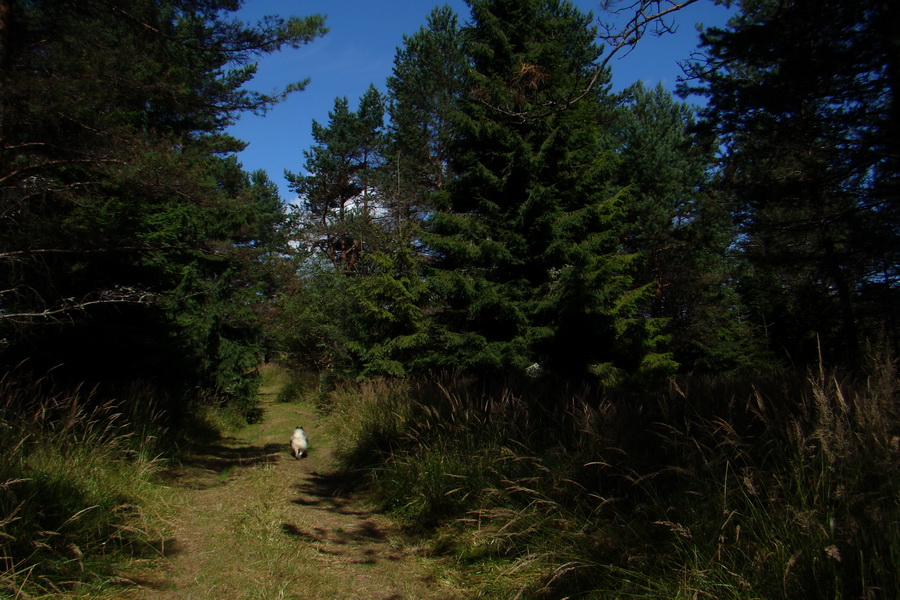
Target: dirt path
<point x="258" y="524"/>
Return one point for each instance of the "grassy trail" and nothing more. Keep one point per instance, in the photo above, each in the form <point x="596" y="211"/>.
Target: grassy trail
<point x="258" y="524"/>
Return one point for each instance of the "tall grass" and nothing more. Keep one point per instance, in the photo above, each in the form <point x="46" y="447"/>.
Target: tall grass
<point x="76" y="494"/>
<point x="778" y="486"/>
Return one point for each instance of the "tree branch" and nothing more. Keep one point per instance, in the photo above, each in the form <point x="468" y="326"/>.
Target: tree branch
<point x="646" y="13"/>
<point x="118" y="295"/>
<point x="52" y="163"/>
<point x="15" y="254"/>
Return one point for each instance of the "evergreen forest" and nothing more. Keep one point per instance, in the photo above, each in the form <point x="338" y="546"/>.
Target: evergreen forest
<point x="586" y="344"/>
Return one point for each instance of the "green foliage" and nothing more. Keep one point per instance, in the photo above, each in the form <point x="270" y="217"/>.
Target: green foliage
<point x="315" y="324"/>
<point x="425" y="88"/>
<point x="676" y="222"/>
<point x="392" y="329"/>
<point x="356" y="326"/>
<point x="371" y="322"/>
<point x="132" y="245"/>
<point x="339" y="195"/>
<point x="527" y="261"/>
<point x="803" y="96"/>
<point x="597" y="241"/>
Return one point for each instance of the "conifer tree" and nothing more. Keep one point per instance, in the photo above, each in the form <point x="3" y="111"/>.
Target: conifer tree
<point x="357" y="307"/>
<point x="379" y="313"/>
<point x="424" y="90"/>
<point x="680" y="229"/>
<point x="389" y="328"/>
<point x="803" y="95"/>
<point x="527" y="255"/>
<point x="121" y="212"/>
<point x="339" y="193"/>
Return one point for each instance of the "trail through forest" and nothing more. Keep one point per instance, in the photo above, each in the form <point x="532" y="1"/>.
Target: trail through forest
<point x="257" y="524"/>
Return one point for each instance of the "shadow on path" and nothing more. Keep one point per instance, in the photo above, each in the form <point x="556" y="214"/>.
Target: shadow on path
<point x="211" y="465"/>
<point x="352" y="532"/>
<point x="328" y="490"/>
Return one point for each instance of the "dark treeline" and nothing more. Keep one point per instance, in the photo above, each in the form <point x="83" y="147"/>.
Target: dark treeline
<point x="498" y="207"/>
<point x="133" y="244"/>
<point x="497" y="213"/>
<point x="135" y="255"/>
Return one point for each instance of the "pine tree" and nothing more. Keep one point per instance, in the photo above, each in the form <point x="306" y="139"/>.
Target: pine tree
<point x="372" y="282"/>
<point x="121" y="210"/>
<point x="424" y="90"/>
<point x="386" y="328"/>
<point x="680" y="229"/>
<point x="803" y="95"/>
<point x="340" y="193"/>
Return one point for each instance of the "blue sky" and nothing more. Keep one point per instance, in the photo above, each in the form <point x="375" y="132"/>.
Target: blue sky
<point x="359" y="50"/>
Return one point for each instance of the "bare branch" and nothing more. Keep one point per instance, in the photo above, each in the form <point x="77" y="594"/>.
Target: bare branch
<point x="117" y="295"/>
<point x="12" y="254"/>
<point x="635" y="29"/>
<point x="645" y="14"/>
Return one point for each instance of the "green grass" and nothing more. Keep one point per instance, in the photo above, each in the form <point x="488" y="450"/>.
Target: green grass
<point x="784" y="485"/>
<point x="77" y="495"/>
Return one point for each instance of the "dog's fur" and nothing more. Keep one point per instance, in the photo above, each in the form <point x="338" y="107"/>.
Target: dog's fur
<point x="299" y="443"/>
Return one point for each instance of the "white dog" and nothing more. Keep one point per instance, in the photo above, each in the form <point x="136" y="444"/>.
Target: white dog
<point x="299" y="443"/>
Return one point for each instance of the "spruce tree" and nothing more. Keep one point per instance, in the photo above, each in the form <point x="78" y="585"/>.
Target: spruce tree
<point x="527" y="256"/>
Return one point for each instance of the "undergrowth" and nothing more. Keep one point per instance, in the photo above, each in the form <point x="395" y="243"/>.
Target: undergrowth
<point x="76" y="485"/>
<point x="297" y="386"/>
<point x="778" y="486"/>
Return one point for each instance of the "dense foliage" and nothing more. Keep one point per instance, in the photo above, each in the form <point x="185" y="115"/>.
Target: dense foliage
<point x="514" y="212"/>
<point x="803" y="97"/>
<point x="131" y="239"/>
<point x="565" y="250"/>
<point x="526" y="260"/>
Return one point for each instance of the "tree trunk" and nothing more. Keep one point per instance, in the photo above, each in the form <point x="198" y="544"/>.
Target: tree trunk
<point x="5" y="32"/>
